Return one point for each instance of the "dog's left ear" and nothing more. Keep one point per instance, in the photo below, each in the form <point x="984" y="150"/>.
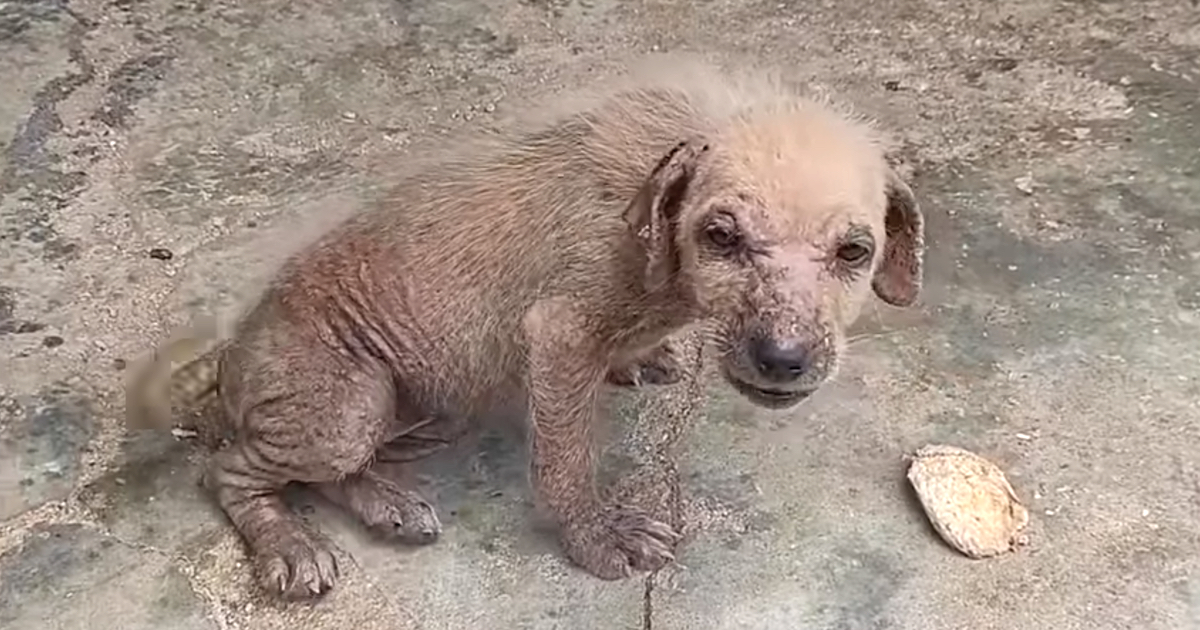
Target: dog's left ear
<point x="898" y="278"/>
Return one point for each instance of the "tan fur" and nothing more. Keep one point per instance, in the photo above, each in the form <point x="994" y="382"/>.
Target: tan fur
<point x="180" y="374"/>
<point x="532" y="267"/>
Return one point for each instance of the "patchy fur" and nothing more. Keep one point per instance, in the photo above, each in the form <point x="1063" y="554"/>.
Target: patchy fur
<point x="535" y="267"/>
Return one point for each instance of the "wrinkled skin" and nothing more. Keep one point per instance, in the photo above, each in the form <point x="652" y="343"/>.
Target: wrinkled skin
<point x="539" y="271"/>
<point x="784" y="271"/>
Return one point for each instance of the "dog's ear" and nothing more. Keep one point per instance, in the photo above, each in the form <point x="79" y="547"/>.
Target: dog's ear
<point x="898" y="278"/>
<point x="654" y="212"/>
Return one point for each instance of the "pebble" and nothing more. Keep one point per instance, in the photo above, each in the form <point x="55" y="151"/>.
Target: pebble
<point x="1024" y="184"/>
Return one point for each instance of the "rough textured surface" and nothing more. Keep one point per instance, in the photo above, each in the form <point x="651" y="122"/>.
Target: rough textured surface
<point x="76" y="577"/>
<point x="1055" y="144"/>
<point x="968" y="500"/>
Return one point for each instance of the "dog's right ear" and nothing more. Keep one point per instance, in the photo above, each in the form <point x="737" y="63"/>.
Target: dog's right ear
<point x="654" y="212"/>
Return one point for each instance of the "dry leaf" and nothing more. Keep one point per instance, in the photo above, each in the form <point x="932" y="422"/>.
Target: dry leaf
<point x="968" y="500"/>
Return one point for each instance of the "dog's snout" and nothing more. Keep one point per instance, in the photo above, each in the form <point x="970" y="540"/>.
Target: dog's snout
<point x="780" y="360"/>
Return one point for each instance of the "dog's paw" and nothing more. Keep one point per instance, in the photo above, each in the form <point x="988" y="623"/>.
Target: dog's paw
<point x="617" y="542"/>
<point x="660" y="367"/>
<point x="388" y="509"/>
<point x="295" y="565"/>
<point x="402" y="514"/>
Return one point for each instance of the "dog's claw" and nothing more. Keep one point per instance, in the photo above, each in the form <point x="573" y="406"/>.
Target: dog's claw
<point x="618" y="542"/>
<point x="297" y="566"/>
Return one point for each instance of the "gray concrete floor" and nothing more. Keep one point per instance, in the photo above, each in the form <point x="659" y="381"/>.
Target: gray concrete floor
<point x="1056" y="145"/>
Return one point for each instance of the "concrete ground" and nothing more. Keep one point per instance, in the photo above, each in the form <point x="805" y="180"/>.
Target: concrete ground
<point x="1056" y="148"/>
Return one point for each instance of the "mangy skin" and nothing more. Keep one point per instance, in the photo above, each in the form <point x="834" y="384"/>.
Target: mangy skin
<point x="536" y="269"/>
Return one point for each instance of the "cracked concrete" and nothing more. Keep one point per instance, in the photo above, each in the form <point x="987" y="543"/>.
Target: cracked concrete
<point x="1055" y="145"/>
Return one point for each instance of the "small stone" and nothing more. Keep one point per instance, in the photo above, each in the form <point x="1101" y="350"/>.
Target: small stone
<point x="1024" y="184"/>
<point x="183" y="434"/>
<point x="29" y="327"/>
<point x="968" y="500"/>
<point x="161" y="253"/>
<point x="53" y="341"/>
<point x="1004" y="64"/>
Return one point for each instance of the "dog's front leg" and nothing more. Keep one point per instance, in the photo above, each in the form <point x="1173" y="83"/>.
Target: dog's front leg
<point x="566" y="371"/>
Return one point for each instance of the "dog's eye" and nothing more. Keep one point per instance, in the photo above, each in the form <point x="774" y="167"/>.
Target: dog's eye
<point x="854" y="254"/>
<point x="722" y="231"/>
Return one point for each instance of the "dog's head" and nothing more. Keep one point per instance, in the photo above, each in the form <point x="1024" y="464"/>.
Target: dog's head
<point x="777" y="229"/>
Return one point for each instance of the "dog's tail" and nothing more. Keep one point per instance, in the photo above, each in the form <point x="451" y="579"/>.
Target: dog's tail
<point x="179" y="374"/>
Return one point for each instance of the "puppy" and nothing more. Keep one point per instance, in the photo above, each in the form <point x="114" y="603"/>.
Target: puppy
<point x="537" y="267"/>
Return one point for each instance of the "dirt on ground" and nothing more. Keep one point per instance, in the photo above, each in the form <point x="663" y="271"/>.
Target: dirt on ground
<point x="159" y="156"/>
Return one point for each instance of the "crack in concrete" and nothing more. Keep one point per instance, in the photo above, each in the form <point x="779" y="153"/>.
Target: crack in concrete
<point x="677" y="415"/>
<point x="217" y="611"/>
<point x="648" y="603"/>
<point x="71" y="511"/>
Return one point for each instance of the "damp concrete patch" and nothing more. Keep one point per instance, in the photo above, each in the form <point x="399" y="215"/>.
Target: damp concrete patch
<point x="71" y="576"/>
<point x="41" y="440"/>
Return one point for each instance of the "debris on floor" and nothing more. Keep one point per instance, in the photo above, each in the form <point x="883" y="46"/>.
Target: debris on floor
<point x="968" y="500"/>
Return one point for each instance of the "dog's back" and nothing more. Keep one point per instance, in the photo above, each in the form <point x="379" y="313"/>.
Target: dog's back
<point x="453" y="257"/>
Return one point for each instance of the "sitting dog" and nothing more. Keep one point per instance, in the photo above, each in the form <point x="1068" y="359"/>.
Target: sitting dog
<point x="542" y="265"/>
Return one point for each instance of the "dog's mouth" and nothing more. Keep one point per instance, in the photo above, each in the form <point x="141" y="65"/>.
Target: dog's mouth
<point x="767" y="397"/>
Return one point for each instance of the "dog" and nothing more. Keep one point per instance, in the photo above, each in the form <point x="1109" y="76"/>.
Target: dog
<point x="539" y="266"/>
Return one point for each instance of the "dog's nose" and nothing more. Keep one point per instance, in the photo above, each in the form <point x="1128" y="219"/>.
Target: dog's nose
<point x="780" y="361"/>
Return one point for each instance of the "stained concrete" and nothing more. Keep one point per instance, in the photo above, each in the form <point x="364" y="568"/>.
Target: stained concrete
<point x="1055" y="145"/>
